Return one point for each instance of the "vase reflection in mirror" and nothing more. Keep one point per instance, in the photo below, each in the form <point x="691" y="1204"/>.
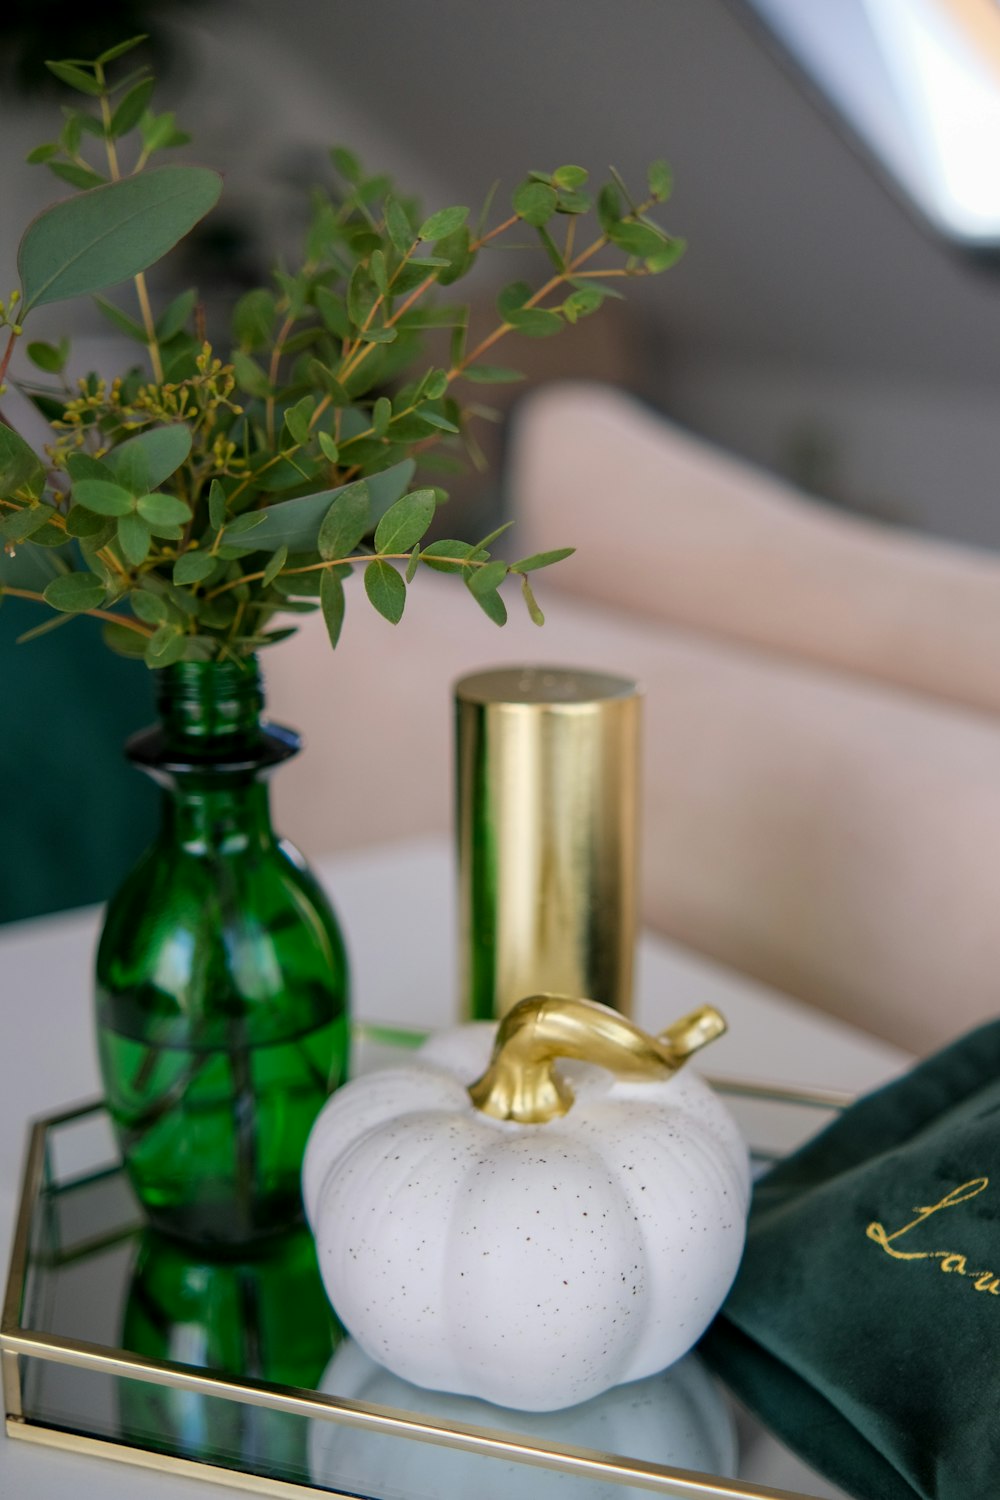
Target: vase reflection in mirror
<point x="265" y="1320"/>
<point x="221" y="975"/>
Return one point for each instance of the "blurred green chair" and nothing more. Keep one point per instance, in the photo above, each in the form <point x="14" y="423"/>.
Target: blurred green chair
<point x="75" y="814"/>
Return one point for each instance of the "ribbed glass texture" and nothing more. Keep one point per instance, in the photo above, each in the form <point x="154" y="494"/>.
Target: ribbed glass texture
<point x="222" y="982"/>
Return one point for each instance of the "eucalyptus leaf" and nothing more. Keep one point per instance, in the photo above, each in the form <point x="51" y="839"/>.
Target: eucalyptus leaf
<point x="253" y="318"/>
<point x="668" y="255"/>
<point x="535" y="322"/>
<point x="345" y="523"/>
<point x="636" y="238"/>
<point x="123" y="641"/>
<point x="105" y="498"/>
<point x="148" y="607"/>
<point x="541" y="560"/>
<point x="386" y="590"/>
<point x="172" y="321"/>
<point x="216" y="505"/>
<point x="131" y="108"/>
<point x="49" y="357"/>
<point x="78" y="177"/>
<point x="333" y="310"/>
<point x="194" y="567"/>
<point x="121" y="320"/>
<point x="487" y="579"/>
<point x="570" y="177"/>
<point x="110" y="233"/>
<point x="295" y="523"/>
<point x="435" y="419"/>
<point x="161" y="449"/>
<point x="81" y="522"/>
<point x="74" y="593"/>
<point x="274" y="567"/>
<point x="381" y="416"/>
<point x="405" y="523"/>
<point x="535" y="202"/>
<point x="24" y="523"/>
<point x="447" y="555"/>
<point x="165" y="647"/>
<point x="134" y="538"/>
<point x="512" y="298"/>
<point x="346" y="162"/>
<point x="531" y="602"/>
<point x="492" y="605"/>
<point x="297" y="419"/>
<point x="492" y="374"/>
<point x="163" y="510"/>
<point x="660" y="179"/>
<point x="20" y="467"/>
<point x="332" y="602"/>
<point x="249" y="375"/>
<point x="397" y="225"/>
<point x="445" y="221"/>
<point x="76" y="78"/>
<point x="120" y="49"/>
<point x="609" y="207"/>
<point x="242" y="524"/>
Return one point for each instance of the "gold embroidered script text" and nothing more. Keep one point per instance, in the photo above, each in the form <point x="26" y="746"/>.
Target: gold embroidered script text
<point x="949" y="1261"/>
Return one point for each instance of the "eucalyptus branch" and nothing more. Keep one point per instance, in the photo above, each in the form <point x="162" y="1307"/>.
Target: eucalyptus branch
<point x="197" y="502"/>
<point x="471" y="563"/>
<point x="15" y="334"/>
<point x="94" y="614"/>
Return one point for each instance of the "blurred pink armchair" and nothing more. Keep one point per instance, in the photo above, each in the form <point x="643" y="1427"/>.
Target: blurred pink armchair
<point x="822" y="757"/>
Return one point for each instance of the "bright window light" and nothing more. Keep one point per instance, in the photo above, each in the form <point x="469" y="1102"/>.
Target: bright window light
<point x="919" y="81"/>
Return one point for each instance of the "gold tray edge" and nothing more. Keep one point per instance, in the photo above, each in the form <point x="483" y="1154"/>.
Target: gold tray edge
<point x="144" y="1458"/>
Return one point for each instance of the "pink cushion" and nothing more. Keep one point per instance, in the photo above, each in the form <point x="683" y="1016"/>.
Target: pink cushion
<point x="670" y="528"/>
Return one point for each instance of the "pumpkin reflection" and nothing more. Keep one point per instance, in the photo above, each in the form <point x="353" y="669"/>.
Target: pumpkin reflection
<point x="679" y="1418"/>
<point x="265" y="1319"/>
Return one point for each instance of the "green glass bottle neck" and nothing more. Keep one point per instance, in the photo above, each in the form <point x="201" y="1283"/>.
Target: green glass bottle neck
<point x="211" y="709"/>
<point x="223" y="822"/>
<point x="210" y="725"/>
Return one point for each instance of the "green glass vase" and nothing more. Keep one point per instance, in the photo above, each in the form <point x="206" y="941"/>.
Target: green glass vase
<point x="222" y="1004"/>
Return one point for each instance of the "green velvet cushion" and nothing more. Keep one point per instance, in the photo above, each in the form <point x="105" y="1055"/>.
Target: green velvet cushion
<point x="76" y="815"/>
<point x="864" y="1325"/>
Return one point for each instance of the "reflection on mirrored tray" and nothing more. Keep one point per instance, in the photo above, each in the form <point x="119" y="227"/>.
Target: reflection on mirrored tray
<point x="680" y="1419"/>
<point x="95" y="1275"/>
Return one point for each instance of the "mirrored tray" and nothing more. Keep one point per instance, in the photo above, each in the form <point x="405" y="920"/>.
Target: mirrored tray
<point x="119" y="1343"/>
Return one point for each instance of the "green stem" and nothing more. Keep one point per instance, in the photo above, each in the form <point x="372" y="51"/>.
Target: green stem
<point x="95" y="614"/>
<point x="338" y="562"/>
<point x="5" y="361"/>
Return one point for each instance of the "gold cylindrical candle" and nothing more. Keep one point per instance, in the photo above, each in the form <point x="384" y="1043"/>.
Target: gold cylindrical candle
<point x="547" y="783"/>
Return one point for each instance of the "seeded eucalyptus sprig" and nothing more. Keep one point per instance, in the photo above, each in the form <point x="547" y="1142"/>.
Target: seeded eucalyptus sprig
<point x="195" y="500"/>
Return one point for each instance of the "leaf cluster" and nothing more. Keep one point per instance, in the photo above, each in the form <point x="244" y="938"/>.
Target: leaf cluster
<point x="202" y="498"/>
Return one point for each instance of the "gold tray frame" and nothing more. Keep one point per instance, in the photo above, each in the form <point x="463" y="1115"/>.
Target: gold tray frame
<point x="17" y="1342"/>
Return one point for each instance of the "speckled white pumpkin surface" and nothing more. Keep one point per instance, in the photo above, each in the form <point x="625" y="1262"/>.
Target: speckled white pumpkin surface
<point x="529" y="1265"/>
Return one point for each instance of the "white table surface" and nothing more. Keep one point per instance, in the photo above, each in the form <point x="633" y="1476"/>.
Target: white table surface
<point x="48" y="1059"/>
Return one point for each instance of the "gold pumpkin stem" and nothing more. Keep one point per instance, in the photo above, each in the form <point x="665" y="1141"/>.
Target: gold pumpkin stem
<point x="521" y="1082"/>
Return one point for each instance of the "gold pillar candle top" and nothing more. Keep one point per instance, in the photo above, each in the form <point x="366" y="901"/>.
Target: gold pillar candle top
<point x="547" y="784"/>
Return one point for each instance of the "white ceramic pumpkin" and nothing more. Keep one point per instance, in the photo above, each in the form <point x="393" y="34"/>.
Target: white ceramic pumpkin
<point x="540" y="1231"/>
<point x="678" y="1419"/>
